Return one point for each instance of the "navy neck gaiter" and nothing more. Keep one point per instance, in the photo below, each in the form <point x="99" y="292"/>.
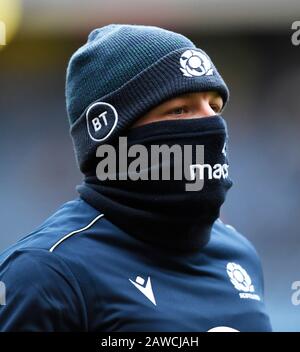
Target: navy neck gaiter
<point x="163" y="212"/>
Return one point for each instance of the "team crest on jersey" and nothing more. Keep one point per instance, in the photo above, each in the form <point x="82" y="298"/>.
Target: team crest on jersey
<point x="194" y="63"/>
<point x="241" y="280"/>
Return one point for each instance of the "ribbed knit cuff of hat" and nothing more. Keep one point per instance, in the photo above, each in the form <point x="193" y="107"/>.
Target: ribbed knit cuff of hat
<point x="111" y="115"/>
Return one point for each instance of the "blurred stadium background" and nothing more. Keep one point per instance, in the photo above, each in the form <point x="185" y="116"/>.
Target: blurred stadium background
<point x="250" y="43"/>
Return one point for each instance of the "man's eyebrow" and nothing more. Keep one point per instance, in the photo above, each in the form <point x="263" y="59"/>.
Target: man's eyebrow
<point x="216" y="94"/>
<point x="179" y="98"/>
<point x="174" y="100"/>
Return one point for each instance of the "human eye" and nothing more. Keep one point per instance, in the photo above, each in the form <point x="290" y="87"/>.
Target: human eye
<point x="180" y="110"/>
<point x="216" y="104"/>
<point x="216" y="108"/>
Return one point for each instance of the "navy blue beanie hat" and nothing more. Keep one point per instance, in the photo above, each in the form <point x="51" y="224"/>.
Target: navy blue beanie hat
<point x="122" y="72"/>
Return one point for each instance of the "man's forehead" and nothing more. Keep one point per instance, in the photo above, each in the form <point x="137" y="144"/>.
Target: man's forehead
<point x="193" y="95"/>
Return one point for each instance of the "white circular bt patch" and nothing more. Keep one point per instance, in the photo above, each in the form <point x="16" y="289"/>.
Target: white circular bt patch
<point x="101" y="119"/>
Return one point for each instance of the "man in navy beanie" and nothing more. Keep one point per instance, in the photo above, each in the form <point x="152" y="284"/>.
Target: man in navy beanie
<point x="138" y="251"/>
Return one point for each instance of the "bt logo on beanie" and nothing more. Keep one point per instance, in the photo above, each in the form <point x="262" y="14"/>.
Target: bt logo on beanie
<point x="101" y="120"/>
<point x="194" y="63"/>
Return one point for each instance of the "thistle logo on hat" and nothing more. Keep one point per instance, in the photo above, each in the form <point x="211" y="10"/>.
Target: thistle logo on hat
<point x="101" y="120"/>
<point x="195" y="63"/>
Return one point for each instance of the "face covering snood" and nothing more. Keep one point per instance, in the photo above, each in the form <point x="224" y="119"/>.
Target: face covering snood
<point x="163" y="212"/>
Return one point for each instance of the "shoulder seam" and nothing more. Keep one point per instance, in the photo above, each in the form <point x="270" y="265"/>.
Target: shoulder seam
<point x="75" y="232"/>
<point x="82" y="299"/>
